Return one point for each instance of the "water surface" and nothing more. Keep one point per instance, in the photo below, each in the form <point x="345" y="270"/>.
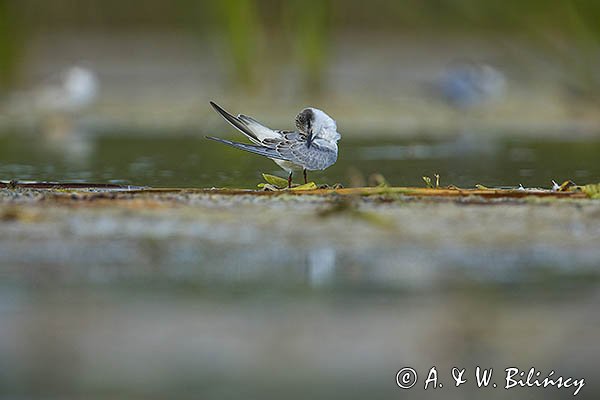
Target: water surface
<point x="192" y="161"/>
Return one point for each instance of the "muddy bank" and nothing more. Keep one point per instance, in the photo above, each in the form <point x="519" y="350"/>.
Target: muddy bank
<point x="389" y="239"/>
<point x="152" y="292"/>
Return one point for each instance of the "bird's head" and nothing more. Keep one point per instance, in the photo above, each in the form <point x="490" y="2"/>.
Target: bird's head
<point x="315" y="122"/>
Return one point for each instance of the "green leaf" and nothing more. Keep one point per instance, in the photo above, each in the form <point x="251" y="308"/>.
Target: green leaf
<point x="306" y="186"/>
<point x="275" y="180"/>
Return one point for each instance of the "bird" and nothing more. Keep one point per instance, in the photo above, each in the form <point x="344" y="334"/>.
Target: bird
<point x="467" y="85"/>
<point x="77" y="90"/>
<point x="312" y="146"/>
<point x="60" y="108"/>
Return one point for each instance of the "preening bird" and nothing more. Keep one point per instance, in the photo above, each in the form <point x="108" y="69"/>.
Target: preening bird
<point x="313" y="146"/>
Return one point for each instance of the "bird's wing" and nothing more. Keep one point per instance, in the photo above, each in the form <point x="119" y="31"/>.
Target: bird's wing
<point x="250" y="127"/>
<point x="263" y="151"/>
<point x="261" y="131"/>
<point x="313" y="157"/>
<point x="292" y="136"/>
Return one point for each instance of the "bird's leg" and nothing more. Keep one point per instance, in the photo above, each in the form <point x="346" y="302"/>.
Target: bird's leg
<point x="305" y="179"/>
<point x="290" y="180"/>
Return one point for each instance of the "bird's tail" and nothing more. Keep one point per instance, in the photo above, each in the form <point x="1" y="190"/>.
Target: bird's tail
<point x="263" y="151"/>
<point x="235" y="121"/>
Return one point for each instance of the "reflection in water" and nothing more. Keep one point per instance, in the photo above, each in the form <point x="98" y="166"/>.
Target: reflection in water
<point x="193" y="162"/>
<point x="141" y="342"/>
<point x="59" y="109"/>
<point x="68" y="143"/>
<point x="59" y="106"/>
<point x="463" y="145"/>
<point x="321" y="266"/>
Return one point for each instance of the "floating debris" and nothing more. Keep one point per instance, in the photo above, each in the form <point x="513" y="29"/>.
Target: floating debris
<point x="566" y="185"/>
<point x="592" y="191"/>
<point x="378" y="180"/>
<point x="14" y="185"/>
<point x="275" y="186"/>
<point x="276" y="183"/>
<point x="429" y="183"/>
<point x="555" y="186"/>
<point x="306" y="186"/>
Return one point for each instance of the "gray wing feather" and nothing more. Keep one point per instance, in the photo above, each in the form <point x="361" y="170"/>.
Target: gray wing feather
<point x="314" y="157"/>
<point x="254" y="130"/>
<point x="259" y="130"/>
<point x="263" y="151"/>
<point x="242" y="127"/>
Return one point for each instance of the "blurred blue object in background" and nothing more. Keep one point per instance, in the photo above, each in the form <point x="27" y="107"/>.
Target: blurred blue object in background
<point x="470" y="85"/>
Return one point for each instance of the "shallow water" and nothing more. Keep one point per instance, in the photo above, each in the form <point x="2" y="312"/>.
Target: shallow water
<point x="187" y="161"/>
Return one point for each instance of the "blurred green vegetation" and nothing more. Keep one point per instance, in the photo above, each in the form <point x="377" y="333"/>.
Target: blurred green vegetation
<point x="242" y="29"/>
<point x="309" y="23"/>
<point x="10" y="44"/>
<point x="583" y="55"/>
<point x="254" y="29"/>
<point x="456" y="15"/>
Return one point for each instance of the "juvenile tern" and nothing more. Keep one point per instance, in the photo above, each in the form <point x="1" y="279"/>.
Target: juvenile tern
<point x="78" y="89"/>
<point x="313" y="146"/>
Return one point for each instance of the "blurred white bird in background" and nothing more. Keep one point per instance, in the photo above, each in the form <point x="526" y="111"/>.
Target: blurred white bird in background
<point x="77" y="90"/>
<point x="59" y="109"/>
